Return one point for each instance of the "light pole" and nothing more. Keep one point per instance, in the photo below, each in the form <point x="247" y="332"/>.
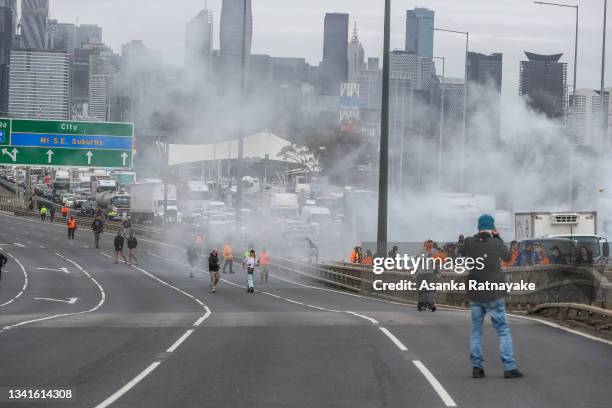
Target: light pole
<point x="604" y="110"/>
<point x="465" y="102"/>
<point x="441" y="135"/>
<point x="383" y="177"/>
<point x="575" y="48"/>
<point x="241" y="138"/>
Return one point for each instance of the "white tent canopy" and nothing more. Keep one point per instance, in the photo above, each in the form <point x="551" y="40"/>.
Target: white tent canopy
<point x="256" y="146"/>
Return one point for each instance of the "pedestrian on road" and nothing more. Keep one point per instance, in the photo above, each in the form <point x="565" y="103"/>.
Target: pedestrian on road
<point x="228" y="257"/>
<point x="65" y="210"/>
<point x="428" y="273"/>
<point x="132" y="243"/>
<point x="264" y="264"/>
<point x="214" y="264"/>
<point x="43" y="213"/>
<point x="127" y="224"/>
<point x="119" y="241"/>
<point x="3" y="261"/>
<point x="72" y="227"/>
<point x="52" y="213"/>
<point x="98" y="227"/>
<point x="192" y="257"/>
<point x="249" y="264"/>
<point x="489" y="247"/>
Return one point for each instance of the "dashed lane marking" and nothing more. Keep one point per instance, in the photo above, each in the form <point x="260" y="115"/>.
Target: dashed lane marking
<point x="25" y="282"/>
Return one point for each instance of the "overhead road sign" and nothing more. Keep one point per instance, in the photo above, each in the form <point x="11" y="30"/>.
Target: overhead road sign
<point x="66" y="143"/>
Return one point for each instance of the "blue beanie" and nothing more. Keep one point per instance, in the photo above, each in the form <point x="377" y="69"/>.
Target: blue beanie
<point x="486" y="223"/>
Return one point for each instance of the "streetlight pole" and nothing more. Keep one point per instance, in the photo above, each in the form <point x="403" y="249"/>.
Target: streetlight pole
<point x="241" y="137"/>
<point x="465" y="102"/>
<point x="604" y="110"/>
<point x="441" y="135"/>
<point x="383" y="177"/>
<point x="574" y="6"/>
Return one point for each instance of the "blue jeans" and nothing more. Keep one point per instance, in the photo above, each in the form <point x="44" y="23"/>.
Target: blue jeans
<point x="498" y="319"/>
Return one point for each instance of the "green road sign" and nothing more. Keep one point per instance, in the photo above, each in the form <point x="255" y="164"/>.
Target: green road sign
<point x="66" y="143"/>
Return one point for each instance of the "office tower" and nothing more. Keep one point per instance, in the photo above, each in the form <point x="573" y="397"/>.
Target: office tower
<point x="420" y="69"/>
<point x="419" y="31"/>
<point x="8" y="24"/>
<point x="199" y="41"/>
<point x="88" y="33"/>
<point x="584" y="119"/>
<point x="102" y="78"/>
<point x="543" y="81"/>
<point x="356" y="57"/>
<point x="334" y="67"/>
<point x="39" y="84"/>
<point x="35" y="23"/>
<point x="484" y="89"/>
<point x="236" y="32"/>
<point x="63" y="37"/>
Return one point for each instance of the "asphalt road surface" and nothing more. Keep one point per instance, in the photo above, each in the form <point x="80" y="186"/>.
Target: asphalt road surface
<point x="151" y="336"/>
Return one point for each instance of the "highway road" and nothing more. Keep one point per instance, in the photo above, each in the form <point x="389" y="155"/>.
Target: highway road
<point x="151" y="336"/>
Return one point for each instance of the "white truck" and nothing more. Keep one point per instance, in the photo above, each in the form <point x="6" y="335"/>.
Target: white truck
<point x="283" y="206"/>
<point x="198" y="195"/>
<point x="544" y="224"/>
<point x="147" y="203"/>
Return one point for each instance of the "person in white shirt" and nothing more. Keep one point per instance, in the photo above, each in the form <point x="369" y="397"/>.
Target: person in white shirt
<point x="249" y="264"/>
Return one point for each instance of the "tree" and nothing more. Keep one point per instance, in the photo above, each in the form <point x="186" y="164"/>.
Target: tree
<point x="300" y="154"/>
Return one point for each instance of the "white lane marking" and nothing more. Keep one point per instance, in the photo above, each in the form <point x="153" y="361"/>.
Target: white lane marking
<point x="394" y="339"/>
<point x="18" y="244"/>
<point x="179" y="341"/>
<point x="42" y="246"/>
<point x="93" y="309"/>
<point x="567" y="329"/>
<point x="25" y="282"/>
<point x="373" y="321"/>
<point x="70" y="301"/>
<point x="446" y="398"/>
<point x="63" y="269"/>
<point x="110" y="400"/>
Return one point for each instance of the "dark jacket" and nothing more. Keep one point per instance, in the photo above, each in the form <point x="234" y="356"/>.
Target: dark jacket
<point x="97" y="226"/>
<point x="558" y="260"/>
<point x="132" y="242"/>
<point x="213" y="263"/>
<point x="493" y="251"/>
<point x="119" y="240"/>
<point x="3" y="260"/>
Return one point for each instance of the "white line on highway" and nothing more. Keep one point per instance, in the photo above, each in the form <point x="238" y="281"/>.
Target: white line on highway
<point x="394" y="339"/>
<point x="25" y="282"/>
<point x="179" y="341"/>
<point x="373" y="321"/>
<point x="100" y="303"/>
<point x="18" y="244"/>
<point x="107" y="402"/>
<point x="446" y="398"/>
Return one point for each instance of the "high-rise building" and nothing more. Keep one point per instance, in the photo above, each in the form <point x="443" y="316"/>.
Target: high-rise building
<point x="417" y="68"/>
<point x="584" y="119"/>
<point x="63" y="37"/>
<point x="334" y="67"/>
<point x="35" y="23"/>
<point x="88" y="33"/>
<point x="356" y="57"/>
<point x="484" y="88"/>
<point x="102" y="77"/>
<point x="236" y="32"/>
<point x="199" y="41"/>
<point x="420" y="31"/>
<point x="543" y="81"/>
<point x="8" y="24"/>
<point x="39" y="84"/>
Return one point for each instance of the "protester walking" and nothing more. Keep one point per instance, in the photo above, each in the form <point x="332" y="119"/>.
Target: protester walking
<point x="52" y="213"/>
<point x="119" y="241"/>
<point x="264" y="264"/>
<point x="72" y="227"/>
<point x="228" y="257"/>
<point x="3" y="261"/>
<point x="487" y="246"/>
<point x="132" y="244"/>
<point x="214" y="264"/>
<point x="249" y="264"/>
<point x="43" y="213"/>
<point x="97" y="227"/>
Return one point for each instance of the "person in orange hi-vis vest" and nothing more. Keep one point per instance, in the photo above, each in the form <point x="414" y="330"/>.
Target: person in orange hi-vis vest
<point x="264" y="264"/>
<point x="72" y="227"/>
<point x="228" y="258"/>
<point x="369" y="259"/>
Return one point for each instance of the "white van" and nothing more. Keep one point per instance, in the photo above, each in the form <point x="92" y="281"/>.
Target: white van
<point x="314" y="215"/>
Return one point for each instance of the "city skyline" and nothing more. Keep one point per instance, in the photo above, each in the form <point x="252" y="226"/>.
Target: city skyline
<point x="509" y="29"/>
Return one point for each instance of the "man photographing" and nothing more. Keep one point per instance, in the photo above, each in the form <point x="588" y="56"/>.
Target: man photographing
<point x="489" y="246"/>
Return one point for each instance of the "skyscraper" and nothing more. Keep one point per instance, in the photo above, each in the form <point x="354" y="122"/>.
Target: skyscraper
<point x="35" y="23"/>
<point x="63" y="37"/>
<point x="199" y="40"/>
<point x="8" y="17"/>
<point x="484" y="88"/>
<point x="543" y="80"/>
<point x="234" y="15"/>
<point x="356" y="57"/>
<point x="88" y="33"/>
<point x="419" y="31"/>
<point x="334" y="67"/>
<point x="39" y="84"/>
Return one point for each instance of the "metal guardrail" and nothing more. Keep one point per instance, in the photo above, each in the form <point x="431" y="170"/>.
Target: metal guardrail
<point x="563" y="292"/>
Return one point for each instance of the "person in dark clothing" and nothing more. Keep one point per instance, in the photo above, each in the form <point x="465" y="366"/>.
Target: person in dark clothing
<point x="192" y="257"/>
<point x="556" y="257"/>
<point x="393" y="252"/>
<point x="489" y="248"/>
<point x="528" y="257"/>
<point x="132" y="243"/>
<point x="98" y="227"/>
<point x="119" y="241"/>
<point x="584" y="257"/>
<point x="3" y="261"/>
<point x="52" y="213"/>
<point x="214" y="264"/>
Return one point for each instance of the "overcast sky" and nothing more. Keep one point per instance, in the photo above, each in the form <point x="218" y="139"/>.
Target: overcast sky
<point x="293" y="28"/>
